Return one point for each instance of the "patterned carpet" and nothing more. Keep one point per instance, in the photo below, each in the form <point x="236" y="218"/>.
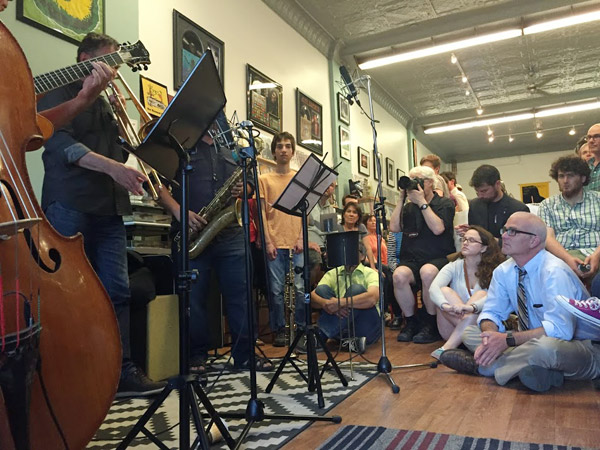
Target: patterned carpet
<point x="231" y="394"/>
<point x="355" y="437"/>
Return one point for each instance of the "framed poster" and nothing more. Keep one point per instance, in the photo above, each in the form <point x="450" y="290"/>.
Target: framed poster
<point x="190" y="41"/>
<point x="363" y="161"/>
<point x="390" y="170"/>
<point x="264" y="104"/>
<point x="399" y="173"/>
<point x="345" y="148"/>
<point x="309" y="123"/>
<point x="343" y="109"/>
<point x="67" y="20"/>
<point x="375" y="166"/>
<point x="154" y="96"/>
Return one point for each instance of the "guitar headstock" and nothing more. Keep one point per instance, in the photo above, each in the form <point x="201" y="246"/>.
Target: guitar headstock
<point x="135" y="55"/>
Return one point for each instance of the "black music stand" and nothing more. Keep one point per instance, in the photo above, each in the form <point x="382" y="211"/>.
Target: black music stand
<point x="184" y="121"/>
<point x="298" y="199"/>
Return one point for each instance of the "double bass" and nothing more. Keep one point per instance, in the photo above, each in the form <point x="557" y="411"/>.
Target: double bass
<point x="49" y="293"/>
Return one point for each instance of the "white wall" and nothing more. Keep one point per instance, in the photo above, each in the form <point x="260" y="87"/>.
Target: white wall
<point x="514" y="170"/>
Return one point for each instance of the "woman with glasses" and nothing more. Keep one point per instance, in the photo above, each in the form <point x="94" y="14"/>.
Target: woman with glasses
<point x="460" y="288"/>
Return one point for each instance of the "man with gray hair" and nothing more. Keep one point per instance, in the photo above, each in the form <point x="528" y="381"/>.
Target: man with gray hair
<point x="426" y="223"/>
<point x="550" y="344"/>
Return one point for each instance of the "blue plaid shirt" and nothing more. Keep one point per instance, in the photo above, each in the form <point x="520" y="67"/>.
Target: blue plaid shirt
<point x="594" y="184"/>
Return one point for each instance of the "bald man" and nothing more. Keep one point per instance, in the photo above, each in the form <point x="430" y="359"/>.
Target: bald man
<point x="550" y="343"/>
<point x="593" y="143"/>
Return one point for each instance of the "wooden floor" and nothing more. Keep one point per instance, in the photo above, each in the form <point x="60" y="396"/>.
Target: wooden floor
<point x="443" y="401"/>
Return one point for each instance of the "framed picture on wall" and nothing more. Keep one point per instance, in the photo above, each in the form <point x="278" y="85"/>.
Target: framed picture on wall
<point x="363" y="162"/>
<point x="264" y="100"/>
<point x="345" y="148"/>
<point x="309" y="123"/>
<point x="70" y="21"/>
<point x="399" y="173"/>
<point x="375" y="166"/>
<point x="190" y="41"/>
<point x="343" y="109"/>
<point x="154" y="96"/>
<point x="390" y="170"/>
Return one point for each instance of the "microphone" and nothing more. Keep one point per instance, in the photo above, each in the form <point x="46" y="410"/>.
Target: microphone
<point x="350" y="85"/>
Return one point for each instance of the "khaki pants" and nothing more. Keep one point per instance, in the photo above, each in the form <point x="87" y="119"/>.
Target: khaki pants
<point x="579" y="360"/>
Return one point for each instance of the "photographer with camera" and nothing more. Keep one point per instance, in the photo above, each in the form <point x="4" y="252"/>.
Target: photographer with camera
<point x="572" y="217"/>
<point x="426" y="222"/>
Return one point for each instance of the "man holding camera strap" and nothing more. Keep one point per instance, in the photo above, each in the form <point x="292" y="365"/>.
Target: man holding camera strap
<point x="426" y="223"/>
<point x="573" y="217"/>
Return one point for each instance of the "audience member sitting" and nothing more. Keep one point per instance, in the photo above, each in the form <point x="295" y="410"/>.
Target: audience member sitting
<point x="584" y="152"/>
<point x="573" y="217"/>
<point x="550" y="343"/>
<point x="370" y="242"/>
<point x="349" y="292"/>
<point x="460" y="289"/>
<point x="351" y="221"/>
<point x="349" y="198"/>
<point x="593" y="142"/>
<point x="492" y="207"/>
<point x="394" y="241"/>
<point x="426" y="223"/>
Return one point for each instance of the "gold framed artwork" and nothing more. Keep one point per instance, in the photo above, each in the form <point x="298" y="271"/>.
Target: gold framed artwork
<point x="154" y="96"/>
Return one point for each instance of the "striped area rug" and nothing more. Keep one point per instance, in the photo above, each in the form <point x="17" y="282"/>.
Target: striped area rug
<point x="231" y="393"/>
<point x="355" y="437"/>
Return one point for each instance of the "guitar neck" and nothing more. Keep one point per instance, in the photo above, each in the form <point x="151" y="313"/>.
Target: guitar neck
<point x="52" y="80"/>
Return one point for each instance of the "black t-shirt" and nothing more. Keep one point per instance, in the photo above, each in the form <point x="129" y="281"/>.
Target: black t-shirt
<point x="419" y="243"/>
<point x="493" y="216"/>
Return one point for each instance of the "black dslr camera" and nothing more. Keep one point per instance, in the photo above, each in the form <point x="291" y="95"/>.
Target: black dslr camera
<point x="409" y="184"/>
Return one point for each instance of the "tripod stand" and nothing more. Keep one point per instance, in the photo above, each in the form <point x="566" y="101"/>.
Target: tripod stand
<point x="299" y="197"/>
<point x="168" y="134"/>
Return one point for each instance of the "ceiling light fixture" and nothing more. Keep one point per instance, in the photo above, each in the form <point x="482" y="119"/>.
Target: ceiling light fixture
<point x="490" y="132"/>
<point x="539" y="134"/>
<point x="467" y="92"/>
<point x="510" y="139"/>
<point x="479" y="111"/>
<point x="479" y="40"/>
<point x="442" y="48"/>
<point x="491" y="139"/>
<point x="514" y="117"/>
<point x="572" y="131"/>
<point x="453" y="59"/>
<point x="464" y="79"/>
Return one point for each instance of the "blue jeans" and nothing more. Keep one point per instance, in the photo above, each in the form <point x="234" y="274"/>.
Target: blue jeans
<point x="367" y="322"/>
<point x="278" y="268"/>
<point x="105" y="244"/>
<point x="595" y="289"/>
<point x="226" y="256"/>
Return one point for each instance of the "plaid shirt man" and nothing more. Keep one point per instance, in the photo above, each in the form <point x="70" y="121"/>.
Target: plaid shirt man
<point x="594" y="184"/>
<point x="576" y="227"/>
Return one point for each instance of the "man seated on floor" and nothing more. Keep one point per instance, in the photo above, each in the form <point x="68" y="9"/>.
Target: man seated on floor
<point x="357" y="306"/>
<point x="550" y="343"/>
<point x="573" y="217"/>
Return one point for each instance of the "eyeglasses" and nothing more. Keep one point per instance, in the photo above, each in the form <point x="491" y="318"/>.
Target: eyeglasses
<point x="513" y="232"/>
<point x="589" y="137"/>
<point x="470" y="240"/>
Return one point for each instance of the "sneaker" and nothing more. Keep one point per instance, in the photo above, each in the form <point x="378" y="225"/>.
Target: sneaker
<point x="396" y="323"/>
<point x="427" y="335"/>
<point x="279" y="340"/>
<point x="301" y="347"/>
<point x="584" y="309"/>
<point x="408" y="332"/>
<point x="437" y="353"/>
<point x="135" y="383"/>
<point x="540" y="379"/>
<point x="356" y="344"/>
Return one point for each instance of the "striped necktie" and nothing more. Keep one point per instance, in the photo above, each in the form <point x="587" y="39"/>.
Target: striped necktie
<point x="522" y="302"/>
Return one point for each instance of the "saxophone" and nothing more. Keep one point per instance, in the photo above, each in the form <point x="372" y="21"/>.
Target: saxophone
<point x="289" y="301"/>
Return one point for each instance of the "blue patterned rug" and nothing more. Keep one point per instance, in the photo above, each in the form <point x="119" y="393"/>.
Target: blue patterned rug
<point x="231" y="394"/>
<point x="356" y="437"/>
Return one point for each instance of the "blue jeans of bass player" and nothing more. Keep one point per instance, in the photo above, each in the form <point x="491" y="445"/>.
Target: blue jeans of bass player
<point x="105" y="245"/>
<point x="277" y="270"/>
<point x="367" y="322"/>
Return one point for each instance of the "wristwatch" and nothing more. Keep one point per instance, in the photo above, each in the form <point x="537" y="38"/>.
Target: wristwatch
<point x="510" y="339"/>
<point x="424" y="206"/>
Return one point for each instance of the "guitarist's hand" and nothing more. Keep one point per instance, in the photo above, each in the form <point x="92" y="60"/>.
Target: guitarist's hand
<point x="94" y="84"/>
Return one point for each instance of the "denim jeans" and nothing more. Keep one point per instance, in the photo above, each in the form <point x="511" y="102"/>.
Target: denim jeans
<point x="278" y="268"/>
<point x="367" y="322"/>
<point x="595" y="289"/>
<point x="226" y="256"/>
<point x="105" y="244"/>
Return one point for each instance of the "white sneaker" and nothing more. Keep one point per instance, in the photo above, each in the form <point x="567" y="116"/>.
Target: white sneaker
<point x="588" y="310"/>
<point x="356" y="345"/>
<point x="437" y="353"/>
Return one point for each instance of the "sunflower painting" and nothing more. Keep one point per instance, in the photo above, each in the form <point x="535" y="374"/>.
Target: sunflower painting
<point x="68" y="19"/>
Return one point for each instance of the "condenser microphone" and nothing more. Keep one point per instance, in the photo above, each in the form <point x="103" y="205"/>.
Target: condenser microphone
<point x="349" y="84"/>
